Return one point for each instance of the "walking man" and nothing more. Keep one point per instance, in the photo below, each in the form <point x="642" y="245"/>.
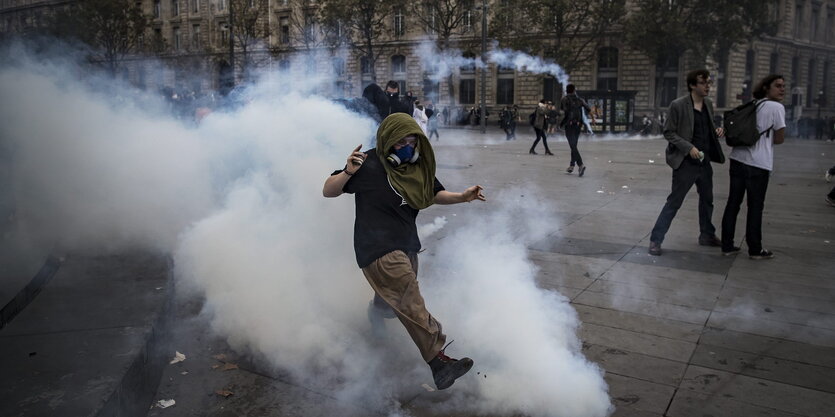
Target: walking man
<point x="539" y="127"/>
<point x="693" y="145"/>
<point x="751" y="166"/>
<point x="573" y="107"/>
<point x="391" y="184"/>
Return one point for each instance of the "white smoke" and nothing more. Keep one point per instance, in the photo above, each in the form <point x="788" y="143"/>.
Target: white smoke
<point x="449" y="61"/>
<point x="237" y="200"/>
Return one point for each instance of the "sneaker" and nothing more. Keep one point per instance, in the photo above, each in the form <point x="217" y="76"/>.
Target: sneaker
<point x="532" y="152"/>
<point x="733" y="251"/>
<point x="654" y="249"/>
<point x="827" y="176"/>
<point x="569" y="170"/>
<point x="764" y="254"/>
<point x="709" y="241"/>
<point x="582" y="171"/>
<point x="446" y="370"/>
<point x="830" y="201"/>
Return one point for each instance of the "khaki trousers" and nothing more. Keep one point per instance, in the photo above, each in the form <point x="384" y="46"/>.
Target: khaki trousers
<point x="393" y="277"/>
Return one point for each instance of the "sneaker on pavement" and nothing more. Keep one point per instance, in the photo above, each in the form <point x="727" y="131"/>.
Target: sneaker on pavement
<point x="446" y="370"/>
<point x="830" y="201"/>
<point x="654" y="249"/>
<point x="763" y="254"/>
<point x="827" y="176"/>
<point x="582" y="171"/>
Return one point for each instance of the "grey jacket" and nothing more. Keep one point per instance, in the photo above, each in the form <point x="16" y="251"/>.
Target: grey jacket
<point x="539" y="122"/>
<point x="679" y="132"/>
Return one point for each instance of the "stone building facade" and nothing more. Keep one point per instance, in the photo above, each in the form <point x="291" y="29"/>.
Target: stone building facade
<point x="195" y="34"/>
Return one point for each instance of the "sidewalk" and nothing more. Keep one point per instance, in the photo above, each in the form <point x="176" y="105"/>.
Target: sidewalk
<point x="690" y="333"/>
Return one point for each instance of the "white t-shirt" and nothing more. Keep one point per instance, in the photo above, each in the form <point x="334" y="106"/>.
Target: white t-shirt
<point x="770" y="114"/>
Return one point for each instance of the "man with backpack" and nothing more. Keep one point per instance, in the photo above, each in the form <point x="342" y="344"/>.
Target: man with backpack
<point x="573" y="107"/>
<point x="693" y="144"/>
<point x="751" y="167"/>
<point x="537" y="119"/>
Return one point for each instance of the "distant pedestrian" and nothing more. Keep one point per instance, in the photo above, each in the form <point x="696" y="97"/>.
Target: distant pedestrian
<point x="693" y="144"/>
<point x="751" y="167"/>
<point x="433" y="124"/>
<point x="573" y="108"/>
<point x="539" y="124"/>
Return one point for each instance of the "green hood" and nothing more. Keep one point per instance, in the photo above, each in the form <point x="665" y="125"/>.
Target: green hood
<point x="415" y="182"/>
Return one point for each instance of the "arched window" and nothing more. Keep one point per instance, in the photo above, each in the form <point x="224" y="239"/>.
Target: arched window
<point x="607" y="68"/>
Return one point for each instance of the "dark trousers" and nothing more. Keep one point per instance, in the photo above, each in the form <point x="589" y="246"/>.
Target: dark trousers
<point x="572" y="133"/>
<point x="690" y="172"/>
<point x="754" y="181"/>
<point x="540" y="134"/>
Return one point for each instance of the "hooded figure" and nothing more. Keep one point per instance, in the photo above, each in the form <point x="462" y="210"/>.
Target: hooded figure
<point x="391" y="184"/>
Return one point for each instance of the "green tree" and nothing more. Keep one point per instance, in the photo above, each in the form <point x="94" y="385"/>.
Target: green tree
<point x="666" y="30"/>
<point x="250" y="27"/>
<point x="569" y="32"/>
<point x="362" y="25"/>
<point x="112" y="29"/>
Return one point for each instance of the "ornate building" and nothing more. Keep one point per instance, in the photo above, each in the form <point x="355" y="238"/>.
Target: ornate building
<point x="192" y="37"/>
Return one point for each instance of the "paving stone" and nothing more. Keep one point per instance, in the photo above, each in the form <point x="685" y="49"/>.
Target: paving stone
<point x="582" y="247"/>
<point x="712" y="262"/>
<point x="646" y="344"/>
<point x="748" y="324"/>
<point x="671" y="329"/>
<point x="691" y="404"/>
<point x="664" y="277"/>
<point x="635" y="365"/>
<point x="649" y="308"/>
<point x="765" y="367"/>
<point x="774" y="309"/>
<point x="788" y="288"/>
<point x="759" y="392"/>
<point x="634" y="394"/>
<point x="769" y="346"/>
<point x="687" y="298"/>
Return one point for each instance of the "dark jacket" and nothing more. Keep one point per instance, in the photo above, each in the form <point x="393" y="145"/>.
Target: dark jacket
<point x="679" y="132"/>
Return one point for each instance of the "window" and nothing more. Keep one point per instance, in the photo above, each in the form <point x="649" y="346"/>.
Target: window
<point x="774" y="63"/>
<point x="398" y="65"/>
<point x="338" y="66"/>
<point x="504" y="91"/>
<point x="828" y="35"/>
<point x="467" y="21"/>
<point x="431" y="19"/>
<point x="810" y="83"/>
<point x="607" y="69"/>
<point x="156" y="8"/>
<point x="431" y="89"/>
<point x="469" y="67"/>
<point x="795" y="72"/>
<point x="813" y="26"/>
<point x="221" y="4"/>
<point x="284" y="65"/>
<point x="399" y="29"/>
<point x="176" y="38"/>
<point x="825" y="85"/>
<point x="195" y="36"/>
<point x="195" y="6"/>
<point x="747" y="83"/>
<point x="309" y="27"/>
<point x="798" y="20"/>
<point x="667" y="82"/>
<point x="551" y="89"/>
<point x="722" y="81"/>
<point x="466" y="91"/>
<point x="365" y="66"/>
<point x="223" y="34"/>
<point x="284" y="24"/>
<point x="175" y="7"/>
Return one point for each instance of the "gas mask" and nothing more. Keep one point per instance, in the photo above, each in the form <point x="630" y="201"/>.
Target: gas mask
<point x="405" y="154"/>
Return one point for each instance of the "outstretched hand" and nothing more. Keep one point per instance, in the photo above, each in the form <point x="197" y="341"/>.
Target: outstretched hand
<point x="355" y="160"/>
<point x="473" y="193"/>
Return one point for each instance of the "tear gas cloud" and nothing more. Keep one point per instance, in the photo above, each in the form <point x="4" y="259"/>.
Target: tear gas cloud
<point x="98" y="167"/>
<point x="447" y="62"/>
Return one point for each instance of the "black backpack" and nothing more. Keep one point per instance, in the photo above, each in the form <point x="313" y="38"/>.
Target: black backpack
<point x="574" y="112"/>
<point x="741" y="125"/>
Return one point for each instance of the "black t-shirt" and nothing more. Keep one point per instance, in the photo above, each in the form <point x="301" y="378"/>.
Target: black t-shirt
<point x="384" y="221"/>
<point x="701" y="130"/>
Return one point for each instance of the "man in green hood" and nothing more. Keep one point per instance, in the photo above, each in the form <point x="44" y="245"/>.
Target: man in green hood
<point x="391" y="184"/>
